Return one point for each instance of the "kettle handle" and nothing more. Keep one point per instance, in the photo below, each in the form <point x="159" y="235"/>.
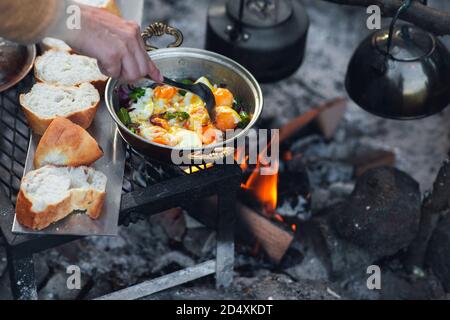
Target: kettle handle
<point x="159" y="29"/>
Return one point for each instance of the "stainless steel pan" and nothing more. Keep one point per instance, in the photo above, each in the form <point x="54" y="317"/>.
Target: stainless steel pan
<point x="183" y="63"/>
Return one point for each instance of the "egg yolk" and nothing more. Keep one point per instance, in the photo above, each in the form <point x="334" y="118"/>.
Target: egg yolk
<point x="223" y="97"/>
<point x="226" y="118"/>
<point x="165" y="92"/>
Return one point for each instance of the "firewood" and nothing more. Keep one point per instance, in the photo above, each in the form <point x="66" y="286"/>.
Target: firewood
<point x="252" y="228"/>
<point x="294" y="126"/>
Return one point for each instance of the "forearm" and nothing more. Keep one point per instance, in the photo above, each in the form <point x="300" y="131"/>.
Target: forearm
<point x="28" y="21"/>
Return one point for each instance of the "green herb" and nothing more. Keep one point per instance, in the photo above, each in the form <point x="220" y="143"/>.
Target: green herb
<point x="181" y="116"/>
<point x="187" y="82"/>
<point x="133" y="130"/>
<point x="124" y="116"/>
<point x="136" y="94"/>
<point x="245" y="119"/>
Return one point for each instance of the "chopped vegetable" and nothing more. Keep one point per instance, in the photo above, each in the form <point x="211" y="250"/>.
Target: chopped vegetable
<point x="187" y="82"/>
<point x="245" y="120"/>
<point x="205" y="81"/>
<point x="124" y="116"/>
<point x="181" y="116"/>
<point x="136" y="94"/>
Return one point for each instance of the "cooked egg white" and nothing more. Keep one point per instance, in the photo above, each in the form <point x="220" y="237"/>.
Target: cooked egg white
<point x="187" y="138"/>
<point x="143" y="108"/>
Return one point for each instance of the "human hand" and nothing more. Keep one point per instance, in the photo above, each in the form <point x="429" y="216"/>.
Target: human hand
<point x="116" y="44"/>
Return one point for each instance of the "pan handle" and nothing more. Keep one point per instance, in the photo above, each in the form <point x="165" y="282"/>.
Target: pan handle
<point x="159" y="29"/>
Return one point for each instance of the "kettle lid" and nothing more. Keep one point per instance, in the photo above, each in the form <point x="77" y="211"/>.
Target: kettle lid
<point x="408" y="43"/>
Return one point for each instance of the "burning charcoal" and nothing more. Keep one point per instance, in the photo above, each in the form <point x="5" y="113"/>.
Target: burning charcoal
<point x="383" y="212"/>
<point x="438" y="252"/>
<point x="294" y="198"/>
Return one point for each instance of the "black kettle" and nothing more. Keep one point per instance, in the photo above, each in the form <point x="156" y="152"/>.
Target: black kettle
<point x="402" y="72"/>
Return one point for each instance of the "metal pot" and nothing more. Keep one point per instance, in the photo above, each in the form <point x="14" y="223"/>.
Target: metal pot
<point x="182" y="63"/>
<point x="408" y="78"/>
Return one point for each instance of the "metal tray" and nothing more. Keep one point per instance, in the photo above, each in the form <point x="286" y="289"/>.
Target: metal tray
<point x="104" y="130"/>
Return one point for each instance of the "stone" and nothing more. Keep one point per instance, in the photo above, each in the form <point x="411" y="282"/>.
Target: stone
<point x="383" y="213"/>
<point x="438" y="252"/>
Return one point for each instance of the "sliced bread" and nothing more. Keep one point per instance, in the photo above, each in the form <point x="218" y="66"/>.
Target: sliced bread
<point x="63" y="68"/>
<point x="50" y="194"/>
<point x="54" y="44"/>
<point x="66" y="144"/>
<point x="45" y="102"/>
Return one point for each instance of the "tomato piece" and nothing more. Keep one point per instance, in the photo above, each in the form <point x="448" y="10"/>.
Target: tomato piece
<point x="165" y="92"/>
<point x="224" y="97"/>
<point x="161" y="140"/>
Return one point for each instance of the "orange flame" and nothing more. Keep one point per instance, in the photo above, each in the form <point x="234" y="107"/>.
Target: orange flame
<point x="264" y="187"/>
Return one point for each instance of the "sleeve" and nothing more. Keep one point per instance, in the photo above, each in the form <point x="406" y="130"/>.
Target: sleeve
<point x="28" y="21"/>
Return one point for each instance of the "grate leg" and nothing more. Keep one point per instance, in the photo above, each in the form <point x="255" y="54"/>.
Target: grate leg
<point x="21" y="274"/>
<point x="225" y="236"/>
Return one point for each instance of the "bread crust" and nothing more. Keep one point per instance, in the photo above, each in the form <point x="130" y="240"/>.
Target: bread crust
<point x="112" y="7"/>
<point x="40" y="220"/>
<point x="69" y="140"/>
<point x="90" y="200"/>
<point x="83" y="118"/>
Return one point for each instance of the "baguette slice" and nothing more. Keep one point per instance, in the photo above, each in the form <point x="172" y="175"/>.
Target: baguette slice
<point x="50" y="194"/>
<point x="54" y="44"/>
<point x="108" y="5"/>
<point x="63" y="68"/>
<point x="66" y="144"/>
<point x="45" y="102"/>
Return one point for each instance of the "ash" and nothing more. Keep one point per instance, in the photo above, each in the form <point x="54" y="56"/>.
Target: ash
<point x="319" y="264"/>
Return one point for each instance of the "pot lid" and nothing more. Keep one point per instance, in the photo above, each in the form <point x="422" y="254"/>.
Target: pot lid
<point x="408" y="43"/>
<point x="15" y="62"/>
<point x="260" y="13"/>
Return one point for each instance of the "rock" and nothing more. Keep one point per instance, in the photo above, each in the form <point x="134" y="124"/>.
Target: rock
<point x="345" y="258"/>
<point x="394" y="286"/>
<point x="438" y="252"/>
<point x="383" y="213"/>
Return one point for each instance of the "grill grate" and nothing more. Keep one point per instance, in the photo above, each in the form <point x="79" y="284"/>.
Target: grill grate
<point x="140" y="172"/>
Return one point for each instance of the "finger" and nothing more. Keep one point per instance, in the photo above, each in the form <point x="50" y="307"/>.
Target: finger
<point x="145" y="63"/>
<point x="130" y="69"/>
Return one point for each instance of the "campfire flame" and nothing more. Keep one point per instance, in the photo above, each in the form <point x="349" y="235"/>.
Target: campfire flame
<point x="263" y="187"/>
